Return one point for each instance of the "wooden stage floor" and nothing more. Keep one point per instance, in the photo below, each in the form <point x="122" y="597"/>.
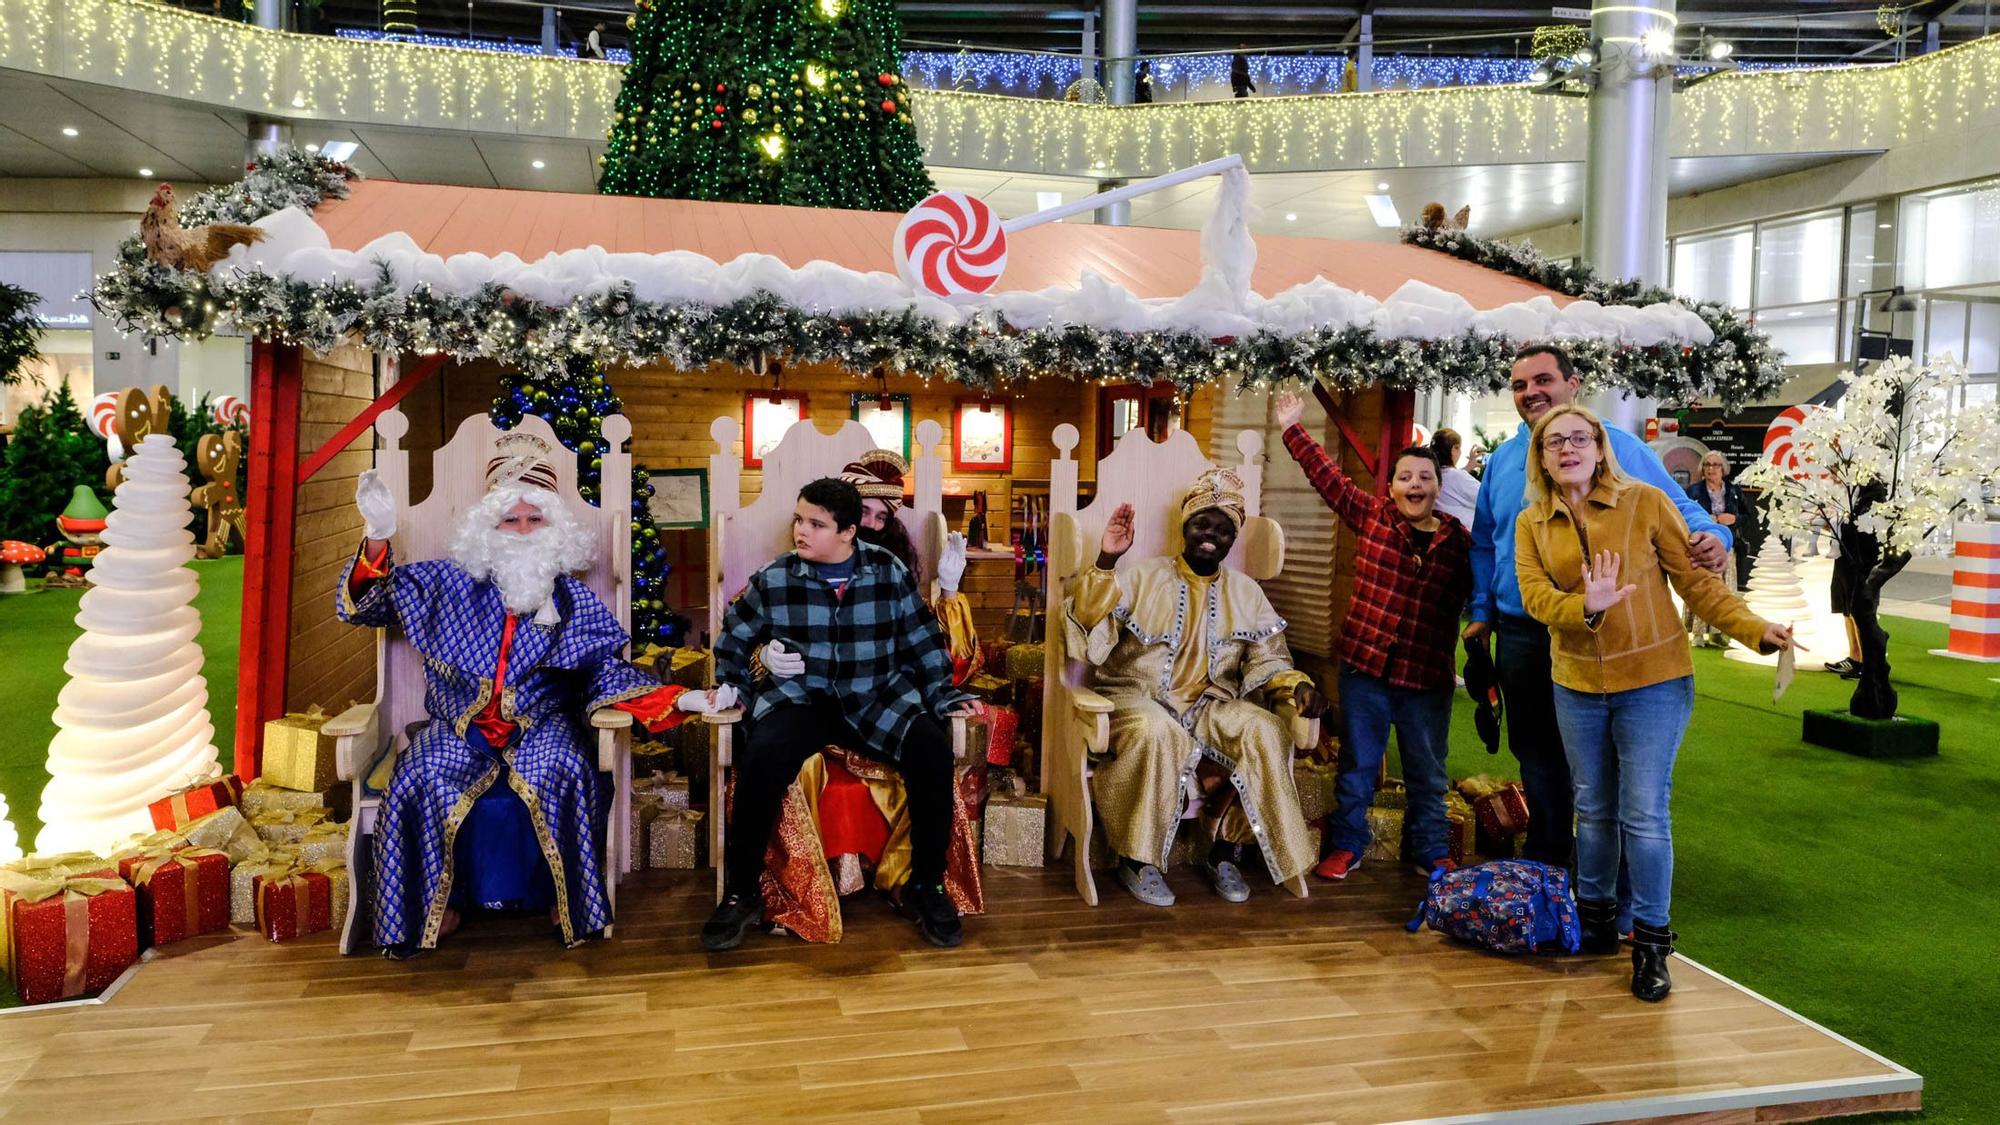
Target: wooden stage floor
<point x="1275" y="1010"/>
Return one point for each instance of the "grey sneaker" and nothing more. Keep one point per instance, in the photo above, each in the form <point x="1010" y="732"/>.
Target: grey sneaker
<point x="1227" y="879"/>
<point x="1147" y="885"/>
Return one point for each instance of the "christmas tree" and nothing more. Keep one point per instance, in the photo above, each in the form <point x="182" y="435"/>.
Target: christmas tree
<point x="767" y="101"/>
<point x="51" y="452"/>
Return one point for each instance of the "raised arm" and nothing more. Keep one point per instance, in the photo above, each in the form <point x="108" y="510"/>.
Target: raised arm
<point x="1347" y="499"/>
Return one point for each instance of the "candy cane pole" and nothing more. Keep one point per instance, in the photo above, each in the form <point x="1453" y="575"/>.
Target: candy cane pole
<point x="1130" y="191"/>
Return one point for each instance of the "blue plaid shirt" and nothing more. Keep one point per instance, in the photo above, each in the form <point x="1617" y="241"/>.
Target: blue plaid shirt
<point x="874" y="649"/>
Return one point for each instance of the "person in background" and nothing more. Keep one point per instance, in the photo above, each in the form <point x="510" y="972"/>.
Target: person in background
<point x="1624" y="682"/>
<point x="1724" y="503"/>
<point x="1142" y="84"/>
<point x="593" y="45"/>
<point x="1413" y="570"/>
<point x="1459" y="490"/>
<point x="1239" y="76"/>
<point x="1543" y="377"/>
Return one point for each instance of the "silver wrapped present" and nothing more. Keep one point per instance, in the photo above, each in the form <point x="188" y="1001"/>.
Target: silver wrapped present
<point x="671" y="839"/>
<point x="1013" y="830"/>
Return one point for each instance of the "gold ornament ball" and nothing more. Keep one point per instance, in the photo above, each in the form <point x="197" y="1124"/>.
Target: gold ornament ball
<point x="750" y="116"/>
<point x="756" y="91"/>
<point x="631" y="22"/>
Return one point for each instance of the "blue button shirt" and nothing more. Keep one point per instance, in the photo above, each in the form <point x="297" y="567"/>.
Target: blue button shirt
<point x="1503" y="492"/>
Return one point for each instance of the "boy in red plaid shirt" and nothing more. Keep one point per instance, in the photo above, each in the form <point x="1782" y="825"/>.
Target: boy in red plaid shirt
<point x="1412" y="574"/>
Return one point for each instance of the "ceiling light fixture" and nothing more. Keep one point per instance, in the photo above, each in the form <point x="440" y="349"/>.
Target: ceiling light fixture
<point x="146" y="172"/>
<point x="1384" y="210"/>
<point x="536" y="164"/>
<point x="1384" y="186"/>
<point x="1291" y="216"/>
<point x="338" y="150"/>
<point x="312" y="148"/>
<point x="1720" y="50"/>
<point x="69" y="130"/>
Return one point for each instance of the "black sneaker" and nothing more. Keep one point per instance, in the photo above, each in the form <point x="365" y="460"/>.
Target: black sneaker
<point x="1853" y="673"/>
<point x="735" y="914"/>
<point x="1843" y="666"/>
<point x="930" y="908"/>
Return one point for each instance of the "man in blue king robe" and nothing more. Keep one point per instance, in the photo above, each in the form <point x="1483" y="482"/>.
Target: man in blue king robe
<point x="495" y="802"/>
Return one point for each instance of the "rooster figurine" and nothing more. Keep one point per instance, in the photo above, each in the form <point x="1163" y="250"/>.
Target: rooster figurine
<point x="170" y="244"/>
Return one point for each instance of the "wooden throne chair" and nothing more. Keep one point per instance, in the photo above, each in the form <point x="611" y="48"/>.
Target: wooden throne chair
<point x="368" y="736"/>
<point x="1153" y="477"/>
<point x="744" y="537"/>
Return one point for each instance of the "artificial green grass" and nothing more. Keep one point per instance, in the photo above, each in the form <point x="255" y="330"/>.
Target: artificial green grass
<point x="39" y="627"/>
<point x="1856" y="892"/>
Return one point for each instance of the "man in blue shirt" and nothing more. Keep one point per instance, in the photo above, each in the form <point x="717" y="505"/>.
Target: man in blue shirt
<point x="1544" y="378"/>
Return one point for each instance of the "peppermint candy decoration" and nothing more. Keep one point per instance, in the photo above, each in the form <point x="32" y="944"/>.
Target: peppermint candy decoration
<point x="951" y="245"/>
<point x="229" y="410"/>
<point x="104" y="414"/>
<point x="1781" y="446"/>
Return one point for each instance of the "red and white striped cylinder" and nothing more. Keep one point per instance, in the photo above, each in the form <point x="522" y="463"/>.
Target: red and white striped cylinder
<point x="1975" y="594"/>
<point x="104" y="414"/>
<point x="228" y="410"/>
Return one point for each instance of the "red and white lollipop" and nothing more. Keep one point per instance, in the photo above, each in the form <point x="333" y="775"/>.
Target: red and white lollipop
<point x="228" y="410"/>
<point x="951" y="245"/>
<point x="104" y="414"/>
<point x="1781" y="446"/>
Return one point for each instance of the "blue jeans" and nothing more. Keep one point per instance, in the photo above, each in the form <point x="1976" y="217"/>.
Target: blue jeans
<point x="1422" y="719"/>
<point x="1621" y="750"/>
<point x="1521" y="655"/>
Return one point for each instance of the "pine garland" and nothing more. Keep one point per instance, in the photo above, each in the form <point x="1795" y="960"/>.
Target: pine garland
<point x="1739" y="367"/>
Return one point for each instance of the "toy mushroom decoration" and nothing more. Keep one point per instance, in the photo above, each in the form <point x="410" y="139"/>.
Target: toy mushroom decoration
<point x="15" y="554"/>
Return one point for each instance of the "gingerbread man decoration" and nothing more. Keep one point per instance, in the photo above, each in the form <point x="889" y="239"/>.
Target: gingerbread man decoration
<point x="139" y="414"/>
<point x="218" y="455"/>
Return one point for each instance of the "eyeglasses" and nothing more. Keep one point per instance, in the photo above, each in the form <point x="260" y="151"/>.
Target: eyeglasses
<point x="1582" y="439"/>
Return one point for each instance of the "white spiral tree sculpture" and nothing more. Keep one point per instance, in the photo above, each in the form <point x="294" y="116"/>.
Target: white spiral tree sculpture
<point x="133" y="719"/>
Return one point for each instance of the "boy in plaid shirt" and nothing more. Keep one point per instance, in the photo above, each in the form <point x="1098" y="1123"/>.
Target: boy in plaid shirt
<point x="854" y="658"/>
<point x="1412" y="574"/>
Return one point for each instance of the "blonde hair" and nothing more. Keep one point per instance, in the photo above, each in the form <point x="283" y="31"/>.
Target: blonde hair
<point x="1540" y="483"/>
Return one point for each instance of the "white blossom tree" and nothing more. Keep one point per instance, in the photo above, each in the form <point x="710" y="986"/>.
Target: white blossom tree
<point x="1885" y="467"/>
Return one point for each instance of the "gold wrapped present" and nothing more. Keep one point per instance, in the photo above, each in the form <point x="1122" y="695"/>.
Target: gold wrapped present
<point x="296" y="754"/>
<point x="1315" y="782"/>
<point x="1385" y="829"/>
<point x="1014" y="825"/>
<point x="671" y="839"/>
<point x="243" y="882"/>
<point x="226" y="831"/>
<point x="286" y="826"/>
<point x="1462" y="827"/>
<point x="1024" y="662"/>
<point x="1392" y="795"/>
<point x="689" y="667"/>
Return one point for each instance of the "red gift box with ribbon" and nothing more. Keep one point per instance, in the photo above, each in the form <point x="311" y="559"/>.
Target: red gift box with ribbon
<point x="293" y="903"/>
<point x="1503" y="812"/>
<point x="190" y="805"/>
<point x="65" y="933"/>
<point x="1000" y="724"/>
<point x="181" y="893"/>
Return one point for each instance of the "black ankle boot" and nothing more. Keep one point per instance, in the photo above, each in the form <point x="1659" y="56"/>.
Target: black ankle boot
<point x="1600" y="925"/>
<point x="1650" y="946"/>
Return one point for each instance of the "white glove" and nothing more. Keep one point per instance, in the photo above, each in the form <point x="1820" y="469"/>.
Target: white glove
<point x="780" y="662"/>
<point x="951" y="564"/>
<point x="378" y="508"/>
<point x="706" y="702"/>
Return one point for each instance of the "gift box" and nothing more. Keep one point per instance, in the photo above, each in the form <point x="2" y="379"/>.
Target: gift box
<point x="262" y="797"/>
<point x="1391" y="795"/>
<point x="1461" y="838"/>
<point x="62" y="934"/>
<point x="671" y="839"/>
<point x="1314" y="781"/>
<point x="324" y="845"/>
<point x="1024" y="662"/>
<point x="1385" y="829"/>
<point x="286" y="826"/>
<point x="297" y="755"/>
<point x="226" y="831"/>
<point x="1013" y="830"/>
<point x="243" y="883"/>
<point x="993" y="655"/>
<point x="188" y="805"/>
<point x="181" y="893"/>
<point x="1503" y="817"/>
<point x="990" y="737"/>
<point x="293" y="901"/>
<point x="992" y="689"/>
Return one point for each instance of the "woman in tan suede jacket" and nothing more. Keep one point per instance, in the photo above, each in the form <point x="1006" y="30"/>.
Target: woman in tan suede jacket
<point x="1624" y="679"/>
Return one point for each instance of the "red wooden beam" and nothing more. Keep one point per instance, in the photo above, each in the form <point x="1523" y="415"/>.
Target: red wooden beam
<point x="411" y="378"/>
<point x="1399" y="414"/>
<point x="276" y="372"/>
<point x="1348" y="435"/>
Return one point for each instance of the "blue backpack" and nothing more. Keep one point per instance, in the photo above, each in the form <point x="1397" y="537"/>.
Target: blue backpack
<point x="1506" y="905"/>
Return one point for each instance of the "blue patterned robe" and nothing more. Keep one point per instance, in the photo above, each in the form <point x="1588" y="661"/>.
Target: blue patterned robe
<point x="556" y="676"/>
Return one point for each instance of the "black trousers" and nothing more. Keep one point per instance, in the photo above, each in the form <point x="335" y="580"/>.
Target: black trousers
<point x="780" y="743"/>
<point x="1521" y="657"/>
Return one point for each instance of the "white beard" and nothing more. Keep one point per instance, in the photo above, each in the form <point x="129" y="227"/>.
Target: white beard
<point x="524" y="568"/>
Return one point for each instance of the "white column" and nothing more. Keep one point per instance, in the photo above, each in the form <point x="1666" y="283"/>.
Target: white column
<point x="1364" y="56"/>
<point x="1121" y="44"/>
<point x="1625" y="170"/>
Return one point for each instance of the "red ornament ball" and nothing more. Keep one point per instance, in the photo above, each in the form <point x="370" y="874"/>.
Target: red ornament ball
<point x="886" y="79"/>
<point x="715" y="124"/>
<point x="718" y="107"/>
<point x="721" y="89"/>
<point x="888" y="106"/>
